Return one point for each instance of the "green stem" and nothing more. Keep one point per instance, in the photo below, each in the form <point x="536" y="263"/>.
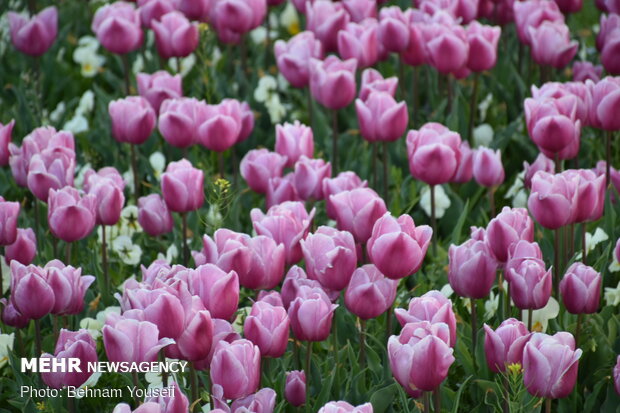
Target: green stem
<point x="220" y="163"/>
<point x="386" y="161"/>
<point x="362" y="343"/>
<point x="134" y="170"/>
<point x="37" y="337"/>
<point x="308" y="375"/>
<point x="193" y="380"/>
<point x="433" y="220"/>
<point x="548" y="406"/>
<point x="583" y="243"/>
<point x="1" y="275"/>
<point x="556" y="263"/>
<point x="70" y="404"/>
<point x="184" y="238"/>
<point x="450" y="94"/>
<point x="68" y="252"/>
<point x="104" y="260"/>
<point x="427" y="402"/>
<point x="437" y="399"/>
<point x="126" y="70"/>
<point x="335" y="142"/>
<point x="136" y="383"/>
<point x="472" y="107"/>
<point x="415" y="97"/>
<point x="530" y="316"/>
<point x="578" y="330"/>
<point x="492" y="201"/>
<point x="609" y="135"/>
<point x="474" y="328"/>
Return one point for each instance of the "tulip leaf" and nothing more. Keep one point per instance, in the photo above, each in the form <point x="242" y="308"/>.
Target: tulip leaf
<point x="458" y="228"/>
<point x="383" y="398"/>
<point x="457" y="400"/>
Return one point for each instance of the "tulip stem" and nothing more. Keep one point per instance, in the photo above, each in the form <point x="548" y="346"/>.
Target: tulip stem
<point x="437" y="399"/>
<point x="608" y="158"/>
<point x="375" y="155"/>
<point x="450" y="92"/>
<point x="571" y="242"/>
<point x="386" y="160"/>
<point x="415" y="97"/>
<point x="427" y="402"/>
<point x="433" y="220"/>
<point x="126" y="69"/>
<point x="401" y="79"/>
<point x="68" y="252"/>
<point x="36" y="222"/>
<point x="335" y="142"/>
<point x="556" y="263"/>
<point x="136" y="383"/>
<point x="70" y="404"/>
<point x="583" y="243"/>
<point x="335" y="337"/>
<point x="134" y="170"/>
<point x="193" y="380"/>
<point x="362" y="343"/>
<point x="37" y="337"/>
<point x="474" y="328"/>
<point x="578" y="330"/>
<point x="472" y="107"/>
<point x="388" y="324"/>
<point x="310" y="111"/>
<point x="308" y="374"/>
<point x="184" y="238"/>
<point x="530" y="316"/>
<point x="548" y="406"/>
<point x="104" y="261"/>
<point x="492" y="201"/>
<point x="220" y="164"/>
<point x="164" y="374"/>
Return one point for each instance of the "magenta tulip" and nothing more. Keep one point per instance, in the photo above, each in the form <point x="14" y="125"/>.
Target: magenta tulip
<point x="293" y="57"/>
<point x="360" y="9"/>
<point x="551" y="44"/>
<point x="69" y="287"/>
<point x="117" y="27"/>
<point x="530" y="284"/>
<point x="263" y="401"/>
<point x="71" y="345"/>
<point x="28" y="282"/>
<point x="393" y="29"/>
<point x="504" y="346"/>
<point x="308" y="177"/>
<point x="359" y="41"/>
<point x="294" y="140"/>
<point x="194" y="9"/>
<point x="381" y="118"/>
<point x="133" y="119"/>
<point x="433" y="307"/>
<point x="552" y="199"/>
<point x="175" y="402"/>
<point x="153" y="10"/>
<point x="70" y="215"/>
<point x="345" y="181"/>
<point x="541" y="163"/>
<point x="446" y="47"/>
<point x="131" y="340"/>
<point x="222" y="126"/>
<point x="531" y="14"/>
<point x="482" y="46"/>
<point x="218" y="290"/>
<point x="267" y="326"/>
<point x="465" y="171"/>
<point x="24" y="249"/>
<point x="583" y="71"/>
<point x="311" y="314"/>
<point x="519" y="252"/>
<point x="488" y="169"/>
<point x="182" y="186"/>
<point x="344" y="407"/>
<point x="472" y="269"/>
<point x="616" y="373"/>
<point x="507" y="228"/>
<point x="332" y="81"/>
<point x="236" y="367"/>
<point x="234" y="18"/>
<point x="369" y="293"/>
<point x="581" y="289"/>
<point x="258" y="166"/>
<point x="325" y="19"/>
<point x="6" y="134"/>
<point x="50" y="170"/>
<point x="373" y="81"/>
<point x="179" y="120"/>
<point x="295" y="388"/>
<point x="9" y="213"/>
<point x="175" y="36"/>
<point x="36" y="35"/>
<point x="108" y="192"/>
<point x="357" y="211"/>
<point x="281" y="190"/>
<point x="605" y="103"/>
<point x="590" y="189"/>
<point x="158" y="87"/>
<point x="154" y="216"/>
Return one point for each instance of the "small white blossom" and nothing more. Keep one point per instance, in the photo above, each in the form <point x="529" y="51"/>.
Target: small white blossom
<point x="94" y="325"/>
<point x="517" y="192"/>
<point x="76" y="125"/>
<point x="128" y="178"/>
<point x="187" y="64"/>
<point x="128" y="252"/>
<point x="58" y="112"/>
<point x="447" y="290"/>
<point x="612" y="295"/>
<point x="290" y="19"/>
<point x="214" y="217"/>
<point x="158" y="163"/>
<point x="592" y="240"/>
<point x="129" y="219"/>
<point x="491" y="305"/>
<point x="87" y="103"/>
<point x="172" y="253"/>
<point x="6" y="279"/>
<point x="541" y="317"/>
<point x="267" y="85"/>
<point x="276" y="110"/>
<point x="483" y="106"/>
<point x="87" y="57"/>
<point x="615" y="265"/>
<point x="6" y="347"/>
<point x="138" y="65"/>
<point x="483" y="135"/>
<point x="79" y="178"/>
<point x="442" y="202"/>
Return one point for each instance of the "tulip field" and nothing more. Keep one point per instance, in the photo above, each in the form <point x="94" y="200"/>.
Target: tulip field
<point x="259" y="206"/>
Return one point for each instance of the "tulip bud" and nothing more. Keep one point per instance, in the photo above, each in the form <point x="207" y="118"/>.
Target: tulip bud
<point x="433" y="307"/>
<point x="28" y="282"/>
<point x="359" y="41"/>
<point x="133" y="119"/>
<point x="542" y="163"/>
<point x="293" y="57"/>
<point x="311" y="314"/>
<point x="182" y="186"/>
<point x="552" y="199"/>
<point x="325" y="19"/>
<point x="9" y="212"/>
<point x="70" y="216"/>
<point x="581" y="289"/>
<point x="472" y="269"/>
<point x="218" y="290"/>
<point x="236" y="367"/>
<point x="179" y="120"/>
<point x="604" y="103"/>
<point x="72" y="345"/>
<point x="369" y="293"/>
<point x="232" y="19"/>
<point x="24" y="249"/>
<point x="294" y="140"/>
<point x="434" y="153"/>
<point x="530" y="284"/>
<point x="308" y="177"/>
<point x="551" y="44"/>
<point x="373" y="81"/>
<point x="6" y="133"/>
<point x="504" y="346"/>
<point x="295" y="388"/>
<point x="153" y="10"/>
<point x="583" y="71"/>
<point x="35" y="36"/>
<point x="482" y="46"/>
<point x="508" y="227"/>
<point x="344" y="407"/>
<point x="330" y="75"/>
<point x="117" y="27"/>
<point x="158" y="87"/>
<point x="258" y="166"/>
<point x="381" y="118"/>
<point x="267" y="327"/>
<point x="263" y="401"/>
<point x="488" y="168"/>
<point x="50" y="170"/>
<point x="345" y="181"/>
<point x="131" y="340"/>
<point x="154" y="216"/>
<point x="69" y="287"/>
<point x="357" y="211"/>
<point x="175" y="36"/>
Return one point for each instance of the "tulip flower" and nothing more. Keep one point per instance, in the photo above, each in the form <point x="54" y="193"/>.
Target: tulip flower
<point x="488" y="169"/>
<point x="69" y="287"/>
<point x="263" y="401"/>
<point x="281" y="190"/>
<point x="590" y="190"/>
<point x="325" y="19"/>
<point x="294" y="140"/>
<point x="609" y="54"/>
<point x="36" y="35"/>
<point x="24" y="249"/>
<point x="153" y="10"/>
<point x="530" y="284"/>
<point x="531" y="14"/>
<point x="373" y="81"/>
<point x="332" y="81"/>
<point x="28" y="282"/>
<point x="330" y="256"/>
<point x="9" y="212"/>
<point x="175" y="402"/>
<point x="604" y="103"/>
<point x="398" y="237"/>
<point x="520" y="251"/>
<point x="344" y="407"/>
<point x="258" y="166"/>
<point x="179" y="120"/>
<point x="267" y="326"/>
<point x="308" y="177"/>
<point x="159" y="306"/>
<point x="154" y="216"/>
<point x="472" y="269"/>
<point x="616" y="373"/>
<point x="11" y="316"/>
<point x="296" y="278"/>
<point x="583" y="71"/>
<point x="311" y="314"/>
<point x="393" y="29"/>
<point x="482" y="46"/>
<point x="108" y="192"/>
<point x="507" y="228"/>
<point x="552" y="199"/>
<point x="236" y="367"/>
<point x="182" y="187"/>
<point x="194" y="9"/>
<point x="360" y="9"/>
<point x="222" y="126"/>
<point x="541" y="163"/>
<point x="581" y="289"/>
<point x="446" y="47"/>
<point x="357" y="211"/>
<point x="607" y="28"/>
<point x="434" y="153"/>
<point x="175" y="36"/>
<point x="131" y="340"/>
<point x="218" y="290"/>
<point x="369" y="293"/>
<point x="195" y="341"/>
<point x="71" y="345"/>
<point x="465" y="170"/>
<point x="569" y="6"/>
<point x="551" y="44"/>
<point x="158" y="87"/>
<point x="433" y="307"/>
<point x="133" y="119"/>
<point x="381" y="118"/>
<point x="6" y="133"/>
<point x="293" y="57"/>
<point x="345" y="181"/>
<point x="550" y="365"/>
<point x="234" y="18"/>
<point x="295" y="388"/>
<point x="50" y="170"/>
<point x="504" y="346"/>
<point x="359" y="41"/>
<point x="117" y="27"/>
<point x="71" y="216"/>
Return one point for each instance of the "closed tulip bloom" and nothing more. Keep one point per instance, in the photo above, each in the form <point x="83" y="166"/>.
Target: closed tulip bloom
<point x="507" y="228"/>
<point x="609" y="54"/>
<point x="159" y="306"/>
<point x="369" y="293"/>
<point x="236" y="367"/>
<point x="311" y="314"/>
<point x="308" y="177"/>
<point x="36" y="35"/>
<point x="550" y="365"/>
<point x="24" y="249"/>
<point x="541" y="163"/>
<point x="72" y="345"/>
<point x="465" y="171"/>
<point x="616" y="373"/>
<point x="267" y="327"/>
<point x="175" y="36"/>
<point x="420" y="356"/>
<point x="482" y="46"/>
<point x="447" y="48"/>
<point x="293" y="57"/>
<point x="608" y="25"/>
<point x="69" y="286"/>
<point x="590" y="190"/>
<point x="373" y="81"/>
<point x="563" y="93"/>
<point x="131" y="340"/>
<point x="271" y="297"/>
<point x="281" y="190"/>
<point x="221" y="126"/>
<point x="179" y="120"/>
<point x="153" y="10"/>
<point x="194" y="9"/>
<point x="345" y="181"/>
<point x="233" y="18"/>
<point x="11" y="316"/>
<point x="605" y="103"/>
<point x="133" y="119"/>
<point x="434" y="153"/>
<point x="530" y="284"/>
<point x="381" y="118"/>
<point x="196" y="340"/>
<point x="325" y="19"/>
<point x="488" y="169"/>
<point x="398" y="237"/>
<point x="357" y="211"/>
<point x="295" y="279"/>
<point x="552" y="124"/>
<point x="263" y="401"/>
<point x="332" y="81"/>
<point x="154" y="216"/>
<point x="109" y="200"/>
<point x="359" y="41"/>
<point x="287" y="223"/>
<point x="158" y="87"/>
<point x="9" y="212"/>
<point x="28" y="282"/>
<point x="617" y="250"/>
<point x="295" y="388"/>
<point x="519" y="252"/>
<point x="552" y="199"/>
<point x="148" y="407"/>
<point x="330" y="256"/>
<point x="531" y="14"/>
<point x="415" y="54"/>
<point x="581" y="289"/>
<point x="393" y="29"/>
<point x="182" y="186"/>
<point x="218" y="290"/>
<point x="569" y="6"/>
<point x="50" y="170"/>
<point x="472" y="269"/>
<point x="433" y="307"/>
<point x="344" y="407"/>
<point x="294" y="140"/>
<point x="504" y="346"/>
<point x="583" y="71"/>
<point x="6" y="133"/>
<point x="551" y="44"/>
<point x="360" y="9"/>
<point x="222" y="331"/>
<point x="258" y="166"/>
<point x="71" y="216"/>
<point x="174" y="402"/>
<point x="117" y="27"/>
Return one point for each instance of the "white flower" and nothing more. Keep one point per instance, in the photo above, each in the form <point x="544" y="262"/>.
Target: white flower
<point x="447" y="290"/>
<point x="187" y="64"/>
<point x="267" y="85"/>
<point x="87" y="57"/>
<point x="94" y="325"/>
<point x="517" y="192"/>
<point x="484" y="106"/>
<point x="77" y="124"/>
<point x="491" y="305"/>
<point x="520" y="200"/>
<point x="128" y="178"/>
<point x="129" y="219"/>
<point x="592" y="240"/>
<point x="216" y="55"/>
<point x="615" y="265"/>
<point x="214" y="217"/>
<point x="158" y="163"/>
<point x="138" y="65"/>
<point x="242" y="314"/>
<point x="6" y="347"/>
<point x="290" y="19"/>
<point x="129" y="252"/>
<point x="283" y="84"/>
<point x="91" y="382"/>
<point x="275" y="108"/>
<point x="87" y="103"/>
<point x="6" y="279"/>
<point x="442" y="202"/>
<point x="79" y="179"/>
<point x="483" y="135"/>
<point x="259" y="35"/>
<point x="58" y="112"/>
<point x="612" y="295"/>
<point x="541" y="317"/>
<point x="171" y="254"/>
<point x="88" y="42"/>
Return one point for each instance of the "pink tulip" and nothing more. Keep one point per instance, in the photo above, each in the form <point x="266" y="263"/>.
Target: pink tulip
<point x="465" y="170"/>
<point x="590" y="189"/>
<point x="612" y="6"/>
<point x="506" y="229"/>
<point x="359" y="41"/>
<point x="415" y="54"/>
<point x="69" y="287"/>
<point x="369" y="293"/>
<point x="153" y="10"/>
<point x="280" y="190"/>
<point x="218" y="290"/>
<point x="616" y="373"/>
<point x="9" y="212"/>
<point x="393" y="29"/>
<point x="373" y="81"/>
<point x="569" y="6"/>
<point x="519" y="252"/>
<point x="541" y="163"/>
<point x="472" y="269"/>
<point x="487" y="167"/>
<point x="563" y="94"/>
<point x="552" y="199"/>
<point x="345" y="181"/>
<point x="133" y="119"/>
<point x="311" y="314"/>
<point x="360" y="9"/>
<point x="24" y="249"/>
<point x="531" y="14"/>
<point x="357" y="211"/>
<point x="325" y="19"/>
<point x="267" y="326"/>
<point x="482" y="46"/>
<point x="159" y="306"/>
<point x="605" y="103"/>
<point x="108" y="192"/>
<point x="433" y="307"/>
<point x="6" y="132"/>
<point x="381" y="118"/>
<point x="609" y="54"/>
<point x="11" y="316"/>
<point x="179" y="120"/>
<point x="149" y="407"/>
<point x="154" y="216"/>
<point x="608" y="28"/>
<point x="263" y="401"/>
<point x="222" y="331"/>
<point x="308" y="177"/>
<point x="28" y="282"/>
<point x="175" y="36"/>
<point x="504" y="346"/>
<point x="158" y="87"/>
<point x="447" y="48"/>
<point x="583" y="71"/>
<point x="222" y="126"/>
<point x="550" y="365"/>
<point x="294" y="140"/>
<point x="617" y="250"/>
<point x="295" y="279"/>
<point x="330" y="256"/>
<point x="117" y="27"/>
<point x="70" y="215"/>
<point x="50" y="170"/>
<point x="293" y="57"/>
<point x="194" y="9"/>
<point x="233" y="18"/>
<point x="434" y="153"/>
<point x="295" y="388"/>
<point x="176" y="402"/>
<point x="182" y="186"/>
<point x="36" y="35"/>
<point x="400" y="237"/>
<point x="236" y="367"/>
<point x="287" y="223"/>
<point x="581" y="289"/>
<point x="551" y="44"/>
<point x="131" y="340"/>
<point x="530" y="284"/>
<point x="258" y="166"/>
<point x="344" y="407"/>
<point x="72" y="345"/>
<point x="553" y="126"/>
<point x="420" y="356"/>
<point x="195" y="341"/>
<point x="332" y="81"/>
